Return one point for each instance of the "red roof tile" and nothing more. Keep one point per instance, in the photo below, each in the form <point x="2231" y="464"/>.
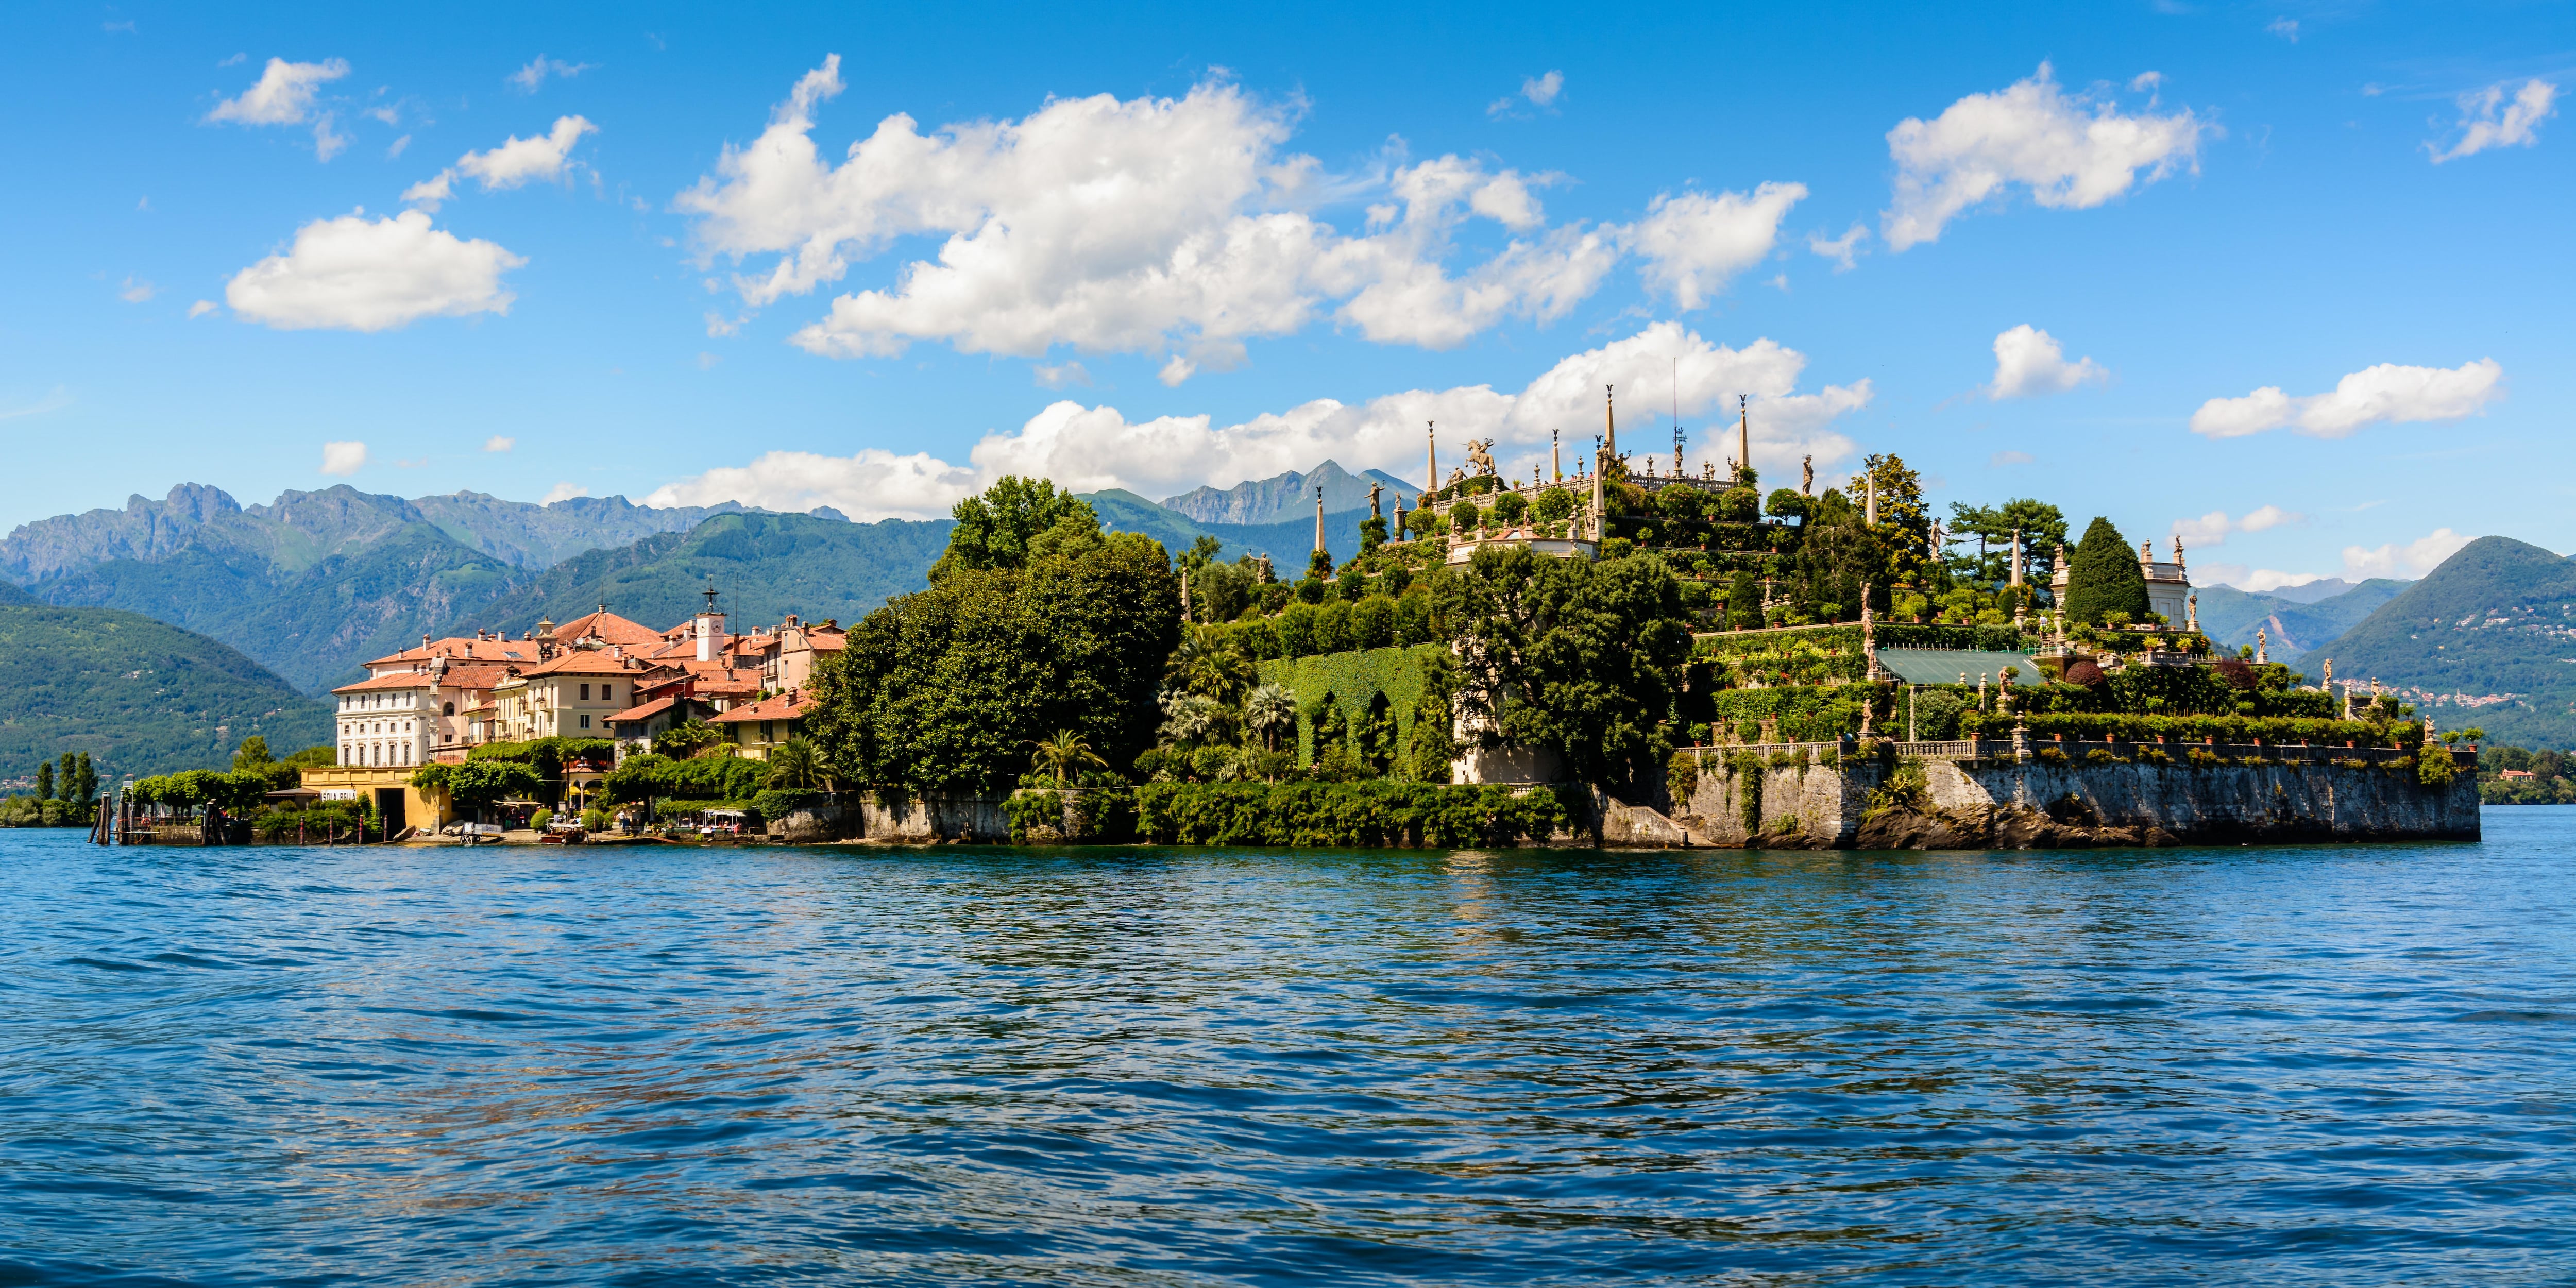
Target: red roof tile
<point x="791" y="705"/>
<point x="637" y="715"/>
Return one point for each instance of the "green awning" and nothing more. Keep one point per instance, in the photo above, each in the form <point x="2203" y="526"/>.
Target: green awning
<point x="1944" y="665"/>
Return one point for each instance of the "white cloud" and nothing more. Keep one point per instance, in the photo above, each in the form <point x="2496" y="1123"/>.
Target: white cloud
<point x="343" y="458"/>
<point x="1842" y="250"/>
<point x="2489" y="120"/>
<point x="134" y="292"/>
<point x="515" y="162"/>
<point x="874" y="484"/>
<point x="1537" y="91"/>
<point x="1088" y="448"/>
<point x="1693" y="243"/>
<point x="2286" y="28"/>
<point x="2212" y="529"/>
<point x="2004" y="458"/>
<point x="2413" y="559"/>
<point x="499" y="443"/>
<point x="2386" y="392"/>
<point x="2243" y="577"/>
<point x="2029" y="361"/>
<point x="563" y="492"/>
<point x="1157" y="225"/>
<point x="201" y="308"/>
<point x="284" y="94"/>
<point x="2070" y="151"/>
<point x="1061" y="375"/>
<point x="396" y="148"/>
<point x="528" y="78"/>
<point x="372" y="275"/>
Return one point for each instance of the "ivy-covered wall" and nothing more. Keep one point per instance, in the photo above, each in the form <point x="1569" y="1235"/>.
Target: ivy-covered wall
<point x="1353" y="679"/>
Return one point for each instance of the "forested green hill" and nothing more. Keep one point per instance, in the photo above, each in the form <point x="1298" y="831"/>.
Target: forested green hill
<point x="2488" y="638"/>
<point x="2230" y="616"/>
<point x="140" y="696"/>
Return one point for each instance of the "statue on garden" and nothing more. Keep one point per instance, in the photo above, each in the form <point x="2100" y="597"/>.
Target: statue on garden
<point x="1480" y="455"/>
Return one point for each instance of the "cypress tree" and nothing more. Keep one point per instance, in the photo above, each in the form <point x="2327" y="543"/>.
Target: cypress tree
<point x="66" y="776"/>
<point x="87" y="783"/>
<point x="2104" y="577"/>
<point x="1744" y="601"/>
<point x="44" y="780"/>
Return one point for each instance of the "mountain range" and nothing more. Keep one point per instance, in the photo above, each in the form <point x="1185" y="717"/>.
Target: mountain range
<point x="2292" y="619"/>
<point x="2488" y="639"/>
<point x="291" y="596"/>
<point x="315" y="583"/>
<point x="1285" y="497"/>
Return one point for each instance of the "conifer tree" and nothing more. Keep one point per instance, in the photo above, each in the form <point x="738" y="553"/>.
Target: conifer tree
<point x="44" y="780"/>
<point x="86" y="785"/>
<point x="1744" y="601"/>
<point x="2104" y="577"/>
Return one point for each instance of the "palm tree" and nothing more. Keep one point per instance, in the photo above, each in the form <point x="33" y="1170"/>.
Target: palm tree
<point x="1206" y="663"/>
<point x="1065" y="755"/>
<point x="794" y="764"/>
<point x="1271" y="711"/>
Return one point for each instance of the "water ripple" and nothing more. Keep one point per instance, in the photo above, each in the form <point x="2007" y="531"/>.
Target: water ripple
<point x="347" y="1066"/>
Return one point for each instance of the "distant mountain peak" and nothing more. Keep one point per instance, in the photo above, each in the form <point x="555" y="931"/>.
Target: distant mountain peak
<point x="1282" y="496"/>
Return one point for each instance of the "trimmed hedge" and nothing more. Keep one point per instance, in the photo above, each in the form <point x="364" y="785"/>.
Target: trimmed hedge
<point x="2234" y="729"/>
<point x="1348" y="814"/>
<point x="1353" y="679"/>
<point x="1807" y="713"/>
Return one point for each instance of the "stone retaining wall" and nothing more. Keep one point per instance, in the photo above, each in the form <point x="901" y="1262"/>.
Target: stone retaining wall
<point x="2004" y="805"/>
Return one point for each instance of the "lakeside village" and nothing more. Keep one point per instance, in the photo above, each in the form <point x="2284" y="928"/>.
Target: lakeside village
<point x="1636" y="652"/>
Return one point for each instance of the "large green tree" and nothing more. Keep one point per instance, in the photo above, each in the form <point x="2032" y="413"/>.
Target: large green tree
<point x="2103" y="576"/>
<point x="1575" y="656"/>
<point x="1020" y="637"/>
<point x="995" y="528"/>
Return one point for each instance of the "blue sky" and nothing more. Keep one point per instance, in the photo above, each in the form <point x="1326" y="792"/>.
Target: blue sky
<point x="2290" y="279"/>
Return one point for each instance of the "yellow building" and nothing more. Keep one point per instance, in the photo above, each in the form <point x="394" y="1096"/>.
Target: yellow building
<point x="757" y="727"/>
<point x="397" y="803"/>
<point x="570" y="695"/>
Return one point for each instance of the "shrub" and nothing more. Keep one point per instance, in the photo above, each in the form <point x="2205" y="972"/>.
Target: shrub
<point x="1464" y="516"/>
<point x="2434" y="766"/>
<point x="2085" y="672"/>
<point x="1509" y="507"/>
<point x="2155" y="756"/>
<point x="1345" y="814"/>
<point x="778" y="802"/>
<point x="2052" y="755"/>
<point x="2203" y="759"/>
<point x="541" y="818"/>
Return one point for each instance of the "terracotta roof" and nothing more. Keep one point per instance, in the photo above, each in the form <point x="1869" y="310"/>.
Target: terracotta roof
<point x="634" y="715"/>
<point x="580" y="661"/>
<point x="398" y="680"/>
<point x="464" y="647"/>
<point x="791" y="705"/>
<point x="607" y="626"/>
<point x="832" y="643"/>
<point x="473" y="675"/>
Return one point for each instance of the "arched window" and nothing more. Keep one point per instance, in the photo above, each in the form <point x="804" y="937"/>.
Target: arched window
<point x="448" y="710"/>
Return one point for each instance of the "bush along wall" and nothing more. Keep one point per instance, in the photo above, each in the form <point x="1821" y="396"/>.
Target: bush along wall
<point x="1352" y="681"/>
<point x="2194" y="728"/>
<point x="1350" y="814"/>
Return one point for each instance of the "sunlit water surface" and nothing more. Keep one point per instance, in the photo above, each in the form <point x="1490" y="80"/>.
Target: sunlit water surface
<point x="629" y="1066"/>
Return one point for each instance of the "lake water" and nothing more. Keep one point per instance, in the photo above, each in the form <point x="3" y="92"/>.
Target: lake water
<point x="2281" y="1066"/>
